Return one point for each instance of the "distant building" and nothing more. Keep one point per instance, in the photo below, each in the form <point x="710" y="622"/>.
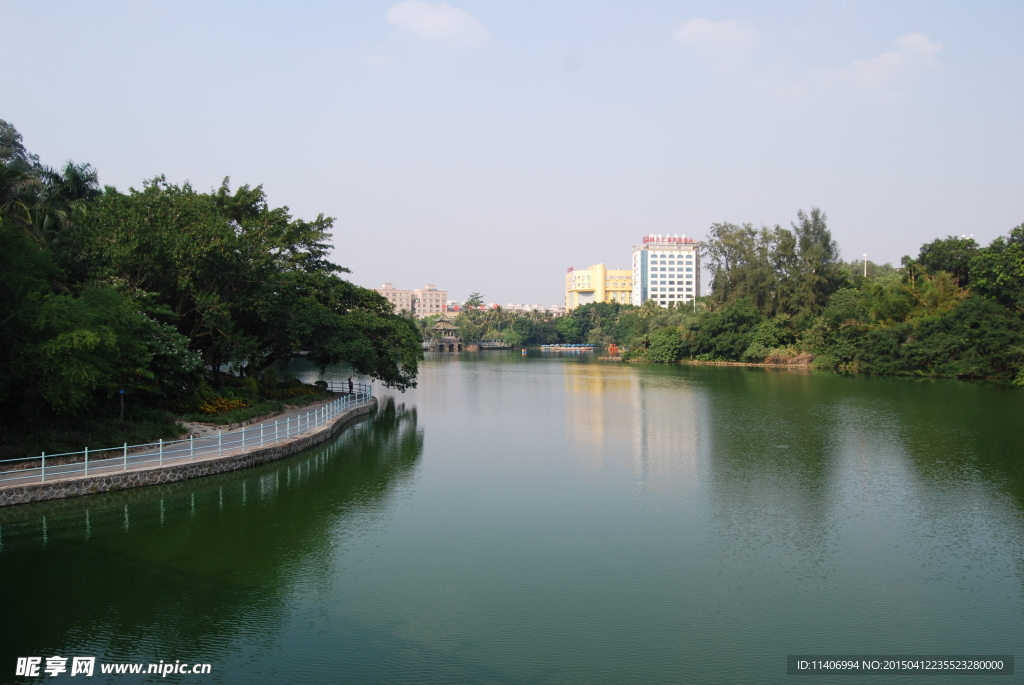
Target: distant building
<point x="429" y="300"/>
<point x="421" y="302"/>
<point x="597" y="284"/>
<point x="665" y="269"/>
<point x="553" y="308"/>
<point x="402" y="299"/>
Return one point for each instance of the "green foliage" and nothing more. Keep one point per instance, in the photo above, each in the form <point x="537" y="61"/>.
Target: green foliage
<point x="514" y="338"/>
<point x="244" y="281"/>
<point x="725" y="334"/>
<point x="777" y="270"/>
<point x="243" y="414"/>
<point x="767" y="337"/>
<point x="12" y="149"/>
<point x="33" y="435"/>
<point x="666" y="345"/>
<point x="977" y="339"/>
<point x="112" y="300"/>
<point x="530" y="328"/>
<point x="571" y="329"/>
<point x="269" y="380"/>
<point x="997" y="271"/>
<point x="474" y="300"/>
<point x="73" y="350"/>
<point x="952" y="255"/>
<point x="597" y="336"/>
<point x="250" y="388"/>
<point x="923" y="322"/>
<point x="468" y="329"/>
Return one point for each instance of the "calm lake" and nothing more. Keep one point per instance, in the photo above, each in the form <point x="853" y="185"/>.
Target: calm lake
<point x="557" y="519"/>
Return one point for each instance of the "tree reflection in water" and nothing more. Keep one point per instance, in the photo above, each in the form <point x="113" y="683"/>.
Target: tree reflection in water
<point x="180" y="571"/>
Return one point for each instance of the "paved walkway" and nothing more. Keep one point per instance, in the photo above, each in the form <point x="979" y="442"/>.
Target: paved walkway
<point x="293" y="424"/>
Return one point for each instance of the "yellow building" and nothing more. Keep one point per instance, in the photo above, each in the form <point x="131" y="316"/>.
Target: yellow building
<point x="597" y="284"/>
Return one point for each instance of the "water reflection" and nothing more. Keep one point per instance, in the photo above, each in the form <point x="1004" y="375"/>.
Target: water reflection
<point x="186" y="570"/>
<point x="652" y="419"/>
<point x="567" y="522"/>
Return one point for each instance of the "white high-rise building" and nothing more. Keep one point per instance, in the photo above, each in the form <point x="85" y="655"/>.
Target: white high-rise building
<point x="666" y="269"/>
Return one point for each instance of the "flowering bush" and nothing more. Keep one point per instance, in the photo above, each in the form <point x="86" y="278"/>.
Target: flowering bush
<point x="221" y="405"/>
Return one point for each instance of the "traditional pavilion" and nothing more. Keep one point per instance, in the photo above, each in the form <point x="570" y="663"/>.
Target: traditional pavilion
<point x="444" y="336"/>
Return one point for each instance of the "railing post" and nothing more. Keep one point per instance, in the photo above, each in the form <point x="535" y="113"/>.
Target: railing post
<point x="220" y="443"/>
<point x="243" y="438"/>
<point x="261" y="435"/>
<point x="275" y="430"/>
<point x="191" y="447"/>
<point x="87" y="460"/>
<point x="42" y="475"/>
<point x="161" y="451"/>
<point x="125" y="457"/>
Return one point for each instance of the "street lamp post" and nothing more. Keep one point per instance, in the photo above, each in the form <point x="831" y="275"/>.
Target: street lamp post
<point x="865" y="265"/>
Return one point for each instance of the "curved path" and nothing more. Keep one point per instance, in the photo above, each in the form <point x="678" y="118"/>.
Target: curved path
<point x="269" y="440"/>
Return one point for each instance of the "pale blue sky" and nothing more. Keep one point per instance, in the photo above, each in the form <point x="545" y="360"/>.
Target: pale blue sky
<point x="489" y="145"/>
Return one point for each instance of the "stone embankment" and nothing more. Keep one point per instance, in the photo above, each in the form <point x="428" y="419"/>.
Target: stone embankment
<point x="143" y="476"/>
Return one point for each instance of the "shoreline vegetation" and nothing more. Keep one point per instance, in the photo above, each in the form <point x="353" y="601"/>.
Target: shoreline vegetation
<point x="124" y="313"/>
<point x="119" y="311"/>
<point x="782" y="297"/>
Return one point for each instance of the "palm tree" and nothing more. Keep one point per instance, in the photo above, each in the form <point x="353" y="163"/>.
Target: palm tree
<point x="63" y="198"/>
<point x="18" y="189"/>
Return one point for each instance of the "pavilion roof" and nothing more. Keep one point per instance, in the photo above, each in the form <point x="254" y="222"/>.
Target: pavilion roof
<point x="445" y="324"/>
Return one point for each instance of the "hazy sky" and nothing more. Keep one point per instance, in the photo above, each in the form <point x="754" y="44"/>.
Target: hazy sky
<point x="489" y="145"/>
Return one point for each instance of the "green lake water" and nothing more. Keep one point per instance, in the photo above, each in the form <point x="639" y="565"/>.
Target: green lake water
<point x="556" y="519"/>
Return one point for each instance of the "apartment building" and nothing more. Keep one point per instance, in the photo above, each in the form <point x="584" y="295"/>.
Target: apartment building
<point x="421" y="302"/>
<point x="429" y="300"/>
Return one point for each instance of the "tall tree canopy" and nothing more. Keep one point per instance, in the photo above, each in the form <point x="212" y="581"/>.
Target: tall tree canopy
<point x="242" y="280"/>
<point x="103" y="292"/>
<point x="778" y="270"/>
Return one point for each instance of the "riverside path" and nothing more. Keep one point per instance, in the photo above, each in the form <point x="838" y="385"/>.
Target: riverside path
<point x="287" y="427"/>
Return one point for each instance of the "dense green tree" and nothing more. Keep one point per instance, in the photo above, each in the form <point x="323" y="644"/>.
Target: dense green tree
<point x="779" y="271"/>
<point x="99" y="343"/>
<point x="242" y="280"/>
<point x="666" y="345"/>
<point x="12" y="147"/>
<point x="468" y="329"/>
<point x="571" y="329"/>
<point x="978" y="339"/>
<point x="514" y="338"/>
<point x="816" y="269"/>
<point x="952" y="255"/>
<point x="768" y="336"/>
<point x="997" y="271"/>
<point x="723" y="334"/>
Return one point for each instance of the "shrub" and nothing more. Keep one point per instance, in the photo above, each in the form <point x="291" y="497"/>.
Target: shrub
<point x="221" y="405"/>
<point x="269" y="379"/>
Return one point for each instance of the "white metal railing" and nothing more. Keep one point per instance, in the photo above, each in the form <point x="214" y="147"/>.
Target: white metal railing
<point x="95" y="462"/>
